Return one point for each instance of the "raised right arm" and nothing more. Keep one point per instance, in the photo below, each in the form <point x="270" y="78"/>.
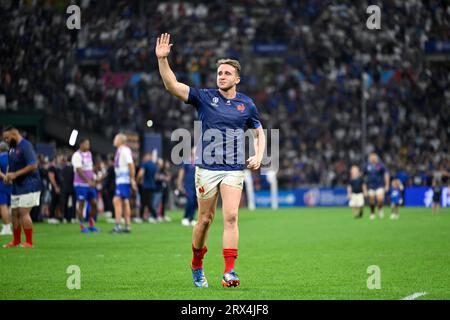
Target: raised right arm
<point x="162" y="50"/>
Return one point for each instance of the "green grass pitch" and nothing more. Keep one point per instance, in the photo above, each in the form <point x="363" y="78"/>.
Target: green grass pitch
<point x="302" y="253"/>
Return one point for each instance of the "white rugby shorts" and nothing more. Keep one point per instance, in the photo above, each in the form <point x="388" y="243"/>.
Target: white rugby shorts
<point x="379" y="192"/>
<point x="356" y="200"/>
<point x="207" y="182"/>
<point x="27" y="200"/>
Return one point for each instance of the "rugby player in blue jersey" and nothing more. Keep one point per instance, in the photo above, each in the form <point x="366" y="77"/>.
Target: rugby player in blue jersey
<point x="186" y="185"/>
<point x="26" y="185"/>
<point x="5" y="190"/>
<point x="219" y="167"/>
<point x="377" y="179"/>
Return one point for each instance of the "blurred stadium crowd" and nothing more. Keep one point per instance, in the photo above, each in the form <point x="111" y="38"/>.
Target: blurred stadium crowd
<point x="302" y="64"/>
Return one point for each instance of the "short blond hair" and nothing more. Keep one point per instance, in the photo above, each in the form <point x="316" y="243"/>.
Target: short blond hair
<point x="234" y="63"/>
<point x="122" y="137"/>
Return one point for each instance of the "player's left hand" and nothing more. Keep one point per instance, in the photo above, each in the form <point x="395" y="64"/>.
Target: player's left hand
<point x="253" y="163"/>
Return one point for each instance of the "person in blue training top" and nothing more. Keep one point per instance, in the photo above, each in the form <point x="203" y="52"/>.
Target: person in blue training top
<point x="146" y="177"/>
<point x="437" y="193"/>
<point x="396" y="198"/>
<point x="186" y="185"/>
<point x="5" y="191"/>
<point x="225" y="114"/>
<point x="23" y="173"/>
<point x="377" y="179"/>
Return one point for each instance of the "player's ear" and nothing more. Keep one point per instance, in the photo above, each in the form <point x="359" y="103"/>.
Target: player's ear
<point x="238" y="79"/>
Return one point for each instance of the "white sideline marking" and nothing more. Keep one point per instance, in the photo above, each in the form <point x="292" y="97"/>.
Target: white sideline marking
<point x="414" y="296"/>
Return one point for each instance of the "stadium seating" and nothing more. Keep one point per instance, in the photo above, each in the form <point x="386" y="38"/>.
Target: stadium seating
<point x="302" y="65"/>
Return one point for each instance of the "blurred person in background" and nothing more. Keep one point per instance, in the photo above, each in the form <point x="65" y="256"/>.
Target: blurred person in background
<point x="125" y="183"/>
<point x="109" y="187"/>
<point x="99" y="176"/>
<point x="396" y="198"/>
<point x="162" y="179"/>
<point x="55" y="178"/>
<point x="146" y="178"/>
<point x="377" y="179"/>
<point x="67" y="190"/>
<point x="157" y="196"/>
<point x="42" y="210"/>
<point x="166" y="187"/>
<point x="356" y="190"/>
<point x="5" y="191"/>
<point x="437" y="193"/>
<point x="186" y="185"/>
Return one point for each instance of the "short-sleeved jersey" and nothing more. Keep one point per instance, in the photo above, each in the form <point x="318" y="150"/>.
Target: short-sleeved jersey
<point x="374" y="175"/>
<point x="357" y="185"/>
<point x="437" y="191"/>
<point x="224" y="122"/>
<point x="4" y="169"/>
<point x="122" y="159"/>
<point x="189" y="177"/>
<point x="20" y="157"/>
<point x="150" y="169"/>
<point x="82" y="160"/>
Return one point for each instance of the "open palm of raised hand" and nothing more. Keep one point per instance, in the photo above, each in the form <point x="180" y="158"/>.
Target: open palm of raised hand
<point x="163" y="46"/>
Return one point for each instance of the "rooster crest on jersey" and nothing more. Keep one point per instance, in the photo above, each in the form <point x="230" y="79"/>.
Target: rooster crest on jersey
<point x="241" y="107"/>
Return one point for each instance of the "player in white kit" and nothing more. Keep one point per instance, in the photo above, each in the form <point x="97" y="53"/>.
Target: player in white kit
<point x="125" y="183"/>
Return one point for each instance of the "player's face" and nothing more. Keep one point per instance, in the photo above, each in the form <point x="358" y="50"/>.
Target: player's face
<point x="354" y="172"/>
<point x="227" y="77"/>
<point x="8" y="137"/>
<point x="373" y="158"/>
<point x="85" y="146"/>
